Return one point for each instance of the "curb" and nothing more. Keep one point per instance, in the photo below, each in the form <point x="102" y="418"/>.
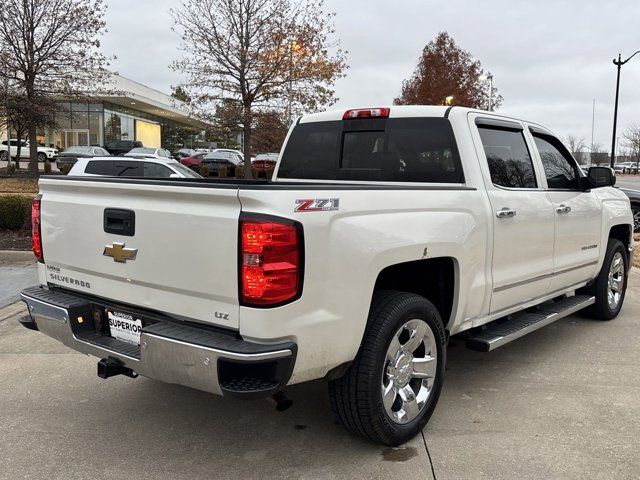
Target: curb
<point x="17" y="256"/>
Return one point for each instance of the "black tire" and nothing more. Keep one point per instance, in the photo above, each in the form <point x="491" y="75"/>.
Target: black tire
<point x="195" y="168"/>
<point x="42" y="157"/>
<point x="635" y="210"/>
<point x="601" y="310"/>
<point x="356" y="397"/>
<point x="4" y="156"/>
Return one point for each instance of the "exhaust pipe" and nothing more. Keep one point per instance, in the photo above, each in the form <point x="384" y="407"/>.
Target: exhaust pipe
<point x="281" y="401"/>
<point x="110" y="367"/>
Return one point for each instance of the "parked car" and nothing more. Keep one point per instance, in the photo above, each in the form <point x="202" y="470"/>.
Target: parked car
<point x="70" y="156"/>
<point x="631" y="167"/>
<point x="214" y="160"/>
<point x="183" y="153"/>
<point x="194" y="161"/>
<point x="264" y="162"/>
<point x="634" y="198"/>
<point x="237" y="153"/>
<point x="131" y="167"/>
<point x="619" y="168"/>
<point x="120" y="147"/>
<point x="382" y="234"/>
<point x="221" y="157"/>
<point x="148" y="153"/>
<point x="44" y="153"/>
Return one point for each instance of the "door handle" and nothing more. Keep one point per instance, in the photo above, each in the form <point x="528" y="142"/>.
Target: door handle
<point x="563" y="209"/>
<point x="505" y="213"/>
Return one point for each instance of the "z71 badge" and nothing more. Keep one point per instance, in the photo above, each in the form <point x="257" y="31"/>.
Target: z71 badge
<point x="317" y="205"/>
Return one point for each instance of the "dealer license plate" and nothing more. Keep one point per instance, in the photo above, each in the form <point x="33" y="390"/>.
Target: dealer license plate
<point x="125" y="327"/>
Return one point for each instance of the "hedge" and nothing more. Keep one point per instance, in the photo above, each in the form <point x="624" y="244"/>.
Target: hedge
<point x="15" y="211"/>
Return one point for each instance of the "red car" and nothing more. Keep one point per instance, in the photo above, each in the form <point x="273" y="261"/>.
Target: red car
<point x="194" y="161"/>
<point x="264" y="162"/>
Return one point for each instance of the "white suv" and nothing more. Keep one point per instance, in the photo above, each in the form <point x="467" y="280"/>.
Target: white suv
<point x="44" y="153"/>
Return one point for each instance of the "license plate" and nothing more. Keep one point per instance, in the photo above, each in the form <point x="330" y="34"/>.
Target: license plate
<point x="125" y="327"/>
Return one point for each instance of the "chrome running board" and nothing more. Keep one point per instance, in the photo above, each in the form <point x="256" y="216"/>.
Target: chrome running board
<point x="505" y="330"/>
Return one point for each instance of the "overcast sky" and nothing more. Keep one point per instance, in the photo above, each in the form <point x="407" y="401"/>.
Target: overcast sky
<point x="549" y="59"/>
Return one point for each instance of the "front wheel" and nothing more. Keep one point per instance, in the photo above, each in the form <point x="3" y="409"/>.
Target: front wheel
<point x="610" y="285"/>
<point x="4" y="156"/>
<point x="42" y="157"/>
<point x="391" y="389"/>
<point x="635" y="210"/>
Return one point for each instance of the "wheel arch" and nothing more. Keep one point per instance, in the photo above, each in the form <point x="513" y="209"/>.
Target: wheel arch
<point x="436" y="279"/>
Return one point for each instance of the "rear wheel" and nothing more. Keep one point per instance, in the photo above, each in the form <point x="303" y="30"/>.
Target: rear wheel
<point x="610" y="286"/>
<point x="391" y="389"/>
<point x="4" y="156"/>
<point x="195" y="168"/>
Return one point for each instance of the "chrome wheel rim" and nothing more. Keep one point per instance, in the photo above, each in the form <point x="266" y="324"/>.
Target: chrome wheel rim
<point x="636" y="219"/>
<point x="409" y="371"/>
<point x="616" y="281"/>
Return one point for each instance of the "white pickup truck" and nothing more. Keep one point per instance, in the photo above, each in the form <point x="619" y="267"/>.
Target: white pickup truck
<point x="383" y="232"/>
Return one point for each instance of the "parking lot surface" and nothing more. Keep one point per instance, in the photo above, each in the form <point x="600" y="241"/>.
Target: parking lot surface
<point x="14" y="277"/>
<point x="628" y="181"/>
<point x="562" y="402"/>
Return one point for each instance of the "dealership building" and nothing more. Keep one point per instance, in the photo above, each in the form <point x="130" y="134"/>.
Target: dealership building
<point x="126" y="110"/>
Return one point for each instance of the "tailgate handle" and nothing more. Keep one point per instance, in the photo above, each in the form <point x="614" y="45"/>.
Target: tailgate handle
<point x="119" y="221"/>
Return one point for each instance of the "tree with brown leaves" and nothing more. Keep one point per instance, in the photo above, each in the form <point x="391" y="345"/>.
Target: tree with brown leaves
<point x="264" y="54"/>
<point x="269" y="132"/>
<point x="446" y="74"/>
<point x="49" y="49"/>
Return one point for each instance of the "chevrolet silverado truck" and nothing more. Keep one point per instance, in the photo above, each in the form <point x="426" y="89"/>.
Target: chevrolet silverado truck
<point x="383" y="232"/>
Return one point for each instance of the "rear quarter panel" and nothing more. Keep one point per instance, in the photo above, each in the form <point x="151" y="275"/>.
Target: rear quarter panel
<point x="345" y="250"/>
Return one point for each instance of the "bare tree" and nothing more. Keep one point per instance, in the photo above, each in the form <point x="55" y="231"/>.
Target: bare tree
<point x="631" y="141"/>
<point x="598" y="154"/>
<point x="50" y="49"/>
<point x="578" y="147"/>
<point x="264" y="54"/>
<point x="447" y="74"/>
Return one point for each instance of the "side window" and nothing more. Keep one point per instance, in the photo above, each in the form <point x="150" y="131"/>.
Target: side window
<point x="99" y="167"/>
<point x="559" y="167"/>
<point x="155" y="170"/>
<point x="508" y="157"/>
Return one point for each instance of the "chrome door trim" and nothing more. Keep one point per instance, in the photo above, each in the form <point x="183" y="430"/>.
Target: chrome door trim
<point x="542" y="277"/>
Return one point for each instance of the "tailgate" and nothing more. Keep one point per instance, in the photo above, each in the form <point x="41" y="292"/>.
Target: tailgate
<point x="185" y="240"/>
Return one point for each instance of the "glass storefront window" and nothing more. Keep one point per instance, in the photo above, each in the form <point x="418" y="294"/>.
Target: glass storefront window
<point x="96" y="128"/>
<point x="127" y="128"/>
<point x="79" y="120"/>
<point x="79" y="107"/>
<point x="111" y="126"/>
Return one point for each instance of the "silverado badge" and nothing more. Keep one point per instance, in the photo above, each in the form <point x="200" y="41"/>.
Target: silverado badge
<point x="119" y="252"/>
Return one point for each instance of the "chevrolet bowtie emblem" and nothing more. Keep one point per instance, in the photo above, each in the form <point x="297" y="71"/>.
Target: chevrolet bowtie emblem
<point x="119" y="252"/>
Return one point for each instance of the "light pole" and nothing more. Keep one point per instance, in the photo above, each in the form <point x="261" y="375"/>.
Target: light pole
<point x="488" y="78"/>
<point x="618" y="63"/>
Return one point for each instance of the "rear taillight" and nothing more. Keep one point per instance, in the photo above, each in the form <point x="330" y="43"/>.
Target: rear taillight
<point x="271" y="261"/>
<point x="380" y="112"/>
<point x="36" y="234"/>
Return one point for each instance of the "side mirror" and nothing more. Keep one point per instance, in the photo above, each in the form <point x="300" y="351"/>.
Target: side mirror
<point x="601" y="177"/>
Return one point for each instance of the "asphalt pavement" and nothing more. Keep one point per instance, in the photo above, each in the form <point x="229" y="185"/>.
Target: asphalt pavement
<point x="562" y="402"/>
<point x="628" y="181"/>
<point x="14" y="276"/>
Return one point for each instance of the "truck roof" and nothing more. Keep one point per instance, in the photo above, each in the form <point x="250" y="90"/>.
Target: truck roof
<point x="404" y="111"/>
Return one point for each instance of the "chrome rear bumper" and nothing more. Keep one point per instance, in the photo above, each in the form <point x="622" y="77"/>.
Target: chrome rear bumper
<point x="171" y="352"/>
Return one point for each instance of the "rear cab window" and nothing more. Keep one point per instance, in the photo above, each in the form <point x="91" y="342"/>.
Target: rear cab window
<point x="373" y="149"/>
